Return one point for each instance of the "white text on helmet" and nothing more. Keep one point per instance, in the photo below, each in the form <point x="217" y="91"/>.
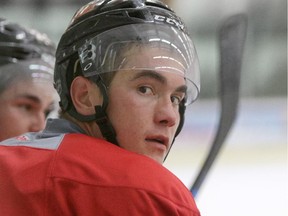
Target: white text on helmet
<point x="169" y="21"/>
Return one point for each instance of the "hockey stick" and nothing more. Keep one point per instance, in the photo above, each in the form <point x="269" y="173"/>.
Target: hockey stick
<point x="232" y="37"/>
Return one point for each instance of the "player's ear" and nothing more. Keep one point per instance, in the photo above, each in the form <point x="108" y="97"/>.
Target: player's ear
<point x="85" y="95"/>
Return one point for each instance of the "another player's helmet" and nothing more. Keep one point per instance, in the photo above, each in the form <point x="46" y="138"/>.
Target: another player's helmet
<point x="96" y="37"/>
<point x="18" y="43"/>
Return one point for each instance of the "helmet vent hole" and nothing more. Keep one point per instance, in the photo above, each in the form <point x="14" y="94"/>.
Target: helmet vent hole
<point x="136" y="14"/>
<point x="10" y="30"/>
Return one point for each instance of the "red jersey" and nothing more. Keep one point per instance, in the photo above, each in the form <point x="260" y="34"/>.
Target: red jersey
<point x="75" y="174"/>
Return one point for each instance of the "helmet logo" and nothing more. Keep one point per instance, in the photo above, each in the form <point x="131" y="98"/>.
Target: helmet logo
<point x="169" y="20"/>
<point x="87" y="55"/>
<point x="87" y="66"/>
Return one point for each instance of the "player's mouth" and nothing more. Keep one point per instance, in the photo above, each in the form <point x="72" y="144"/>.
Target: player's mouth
<point x="158" y="140"/>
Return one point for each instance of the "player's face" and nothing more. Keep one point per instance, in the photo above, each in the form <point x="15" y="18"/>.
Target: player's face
<point x="144" y="104"/>
<point x="144" y="110"/>
<point x="24" y="107"/>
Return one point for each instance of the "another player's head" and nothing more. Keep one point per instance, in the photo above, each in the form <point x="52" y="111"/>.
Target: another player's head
<point x="26" y="79"/>
<point x="125" y="70"/>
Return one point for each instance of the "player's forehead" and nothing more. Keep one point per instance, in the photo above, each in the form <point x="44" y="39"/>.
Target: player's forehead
<point x="152" y="57"/>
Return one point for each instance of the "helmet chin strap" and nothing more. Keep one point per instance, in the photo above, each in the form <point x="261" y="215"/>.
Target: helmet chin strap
<point x="105" y="125"/>
<point x="101" y="117"/>
<point x="182" y="109"/>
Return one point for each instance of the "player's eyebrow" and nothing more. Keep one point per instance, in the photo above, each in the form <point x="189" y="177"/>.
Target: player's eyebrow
<point x="182" y="88"/>
<point x="30" y="97"/>
<point x="150" y="74"/>
<point x="158" y="77"/>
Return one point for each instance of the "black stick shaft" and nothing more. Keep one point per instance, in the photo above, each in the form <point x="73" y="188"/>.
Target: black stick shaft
<point x="232" y="36"/>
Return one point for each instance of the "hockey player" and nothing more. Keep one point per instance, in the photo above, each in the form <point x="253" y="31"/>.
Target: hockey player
<point x="125" y="70"/>
<point x="27" y="96"/>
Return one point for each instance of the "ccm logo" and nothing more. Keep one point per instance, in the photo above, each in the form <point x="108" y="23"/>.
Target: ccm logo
<point x="169" y="21"/>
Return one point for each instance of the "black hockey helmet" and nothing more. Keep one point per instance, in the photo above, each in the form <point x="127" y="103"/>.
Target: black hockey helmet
<point x="18" y="43"/>
<point x="94" y="41"/>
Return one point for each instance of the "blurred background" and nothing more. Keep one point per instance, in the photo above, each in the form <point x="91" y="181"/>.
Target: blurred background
<point x="250" y="176"/>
